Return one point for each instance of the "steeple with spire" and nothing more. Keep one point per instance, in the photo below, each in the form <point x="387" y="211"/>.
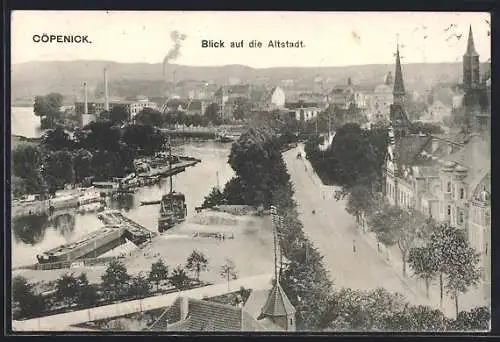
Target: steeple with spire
<point x="398" y="118"/>
<point x="278" y="308"/>
<point x="399" y="87"/>
<point x="470" y="64"/>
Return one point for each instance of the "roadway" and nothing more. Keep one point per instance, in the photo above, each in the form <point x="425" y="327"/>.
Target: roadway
<point x="334" y="232"/>
<point x="349" y="258"/>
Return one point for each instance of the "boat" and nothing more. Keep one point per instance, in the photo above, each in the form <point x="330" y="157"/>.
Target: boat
<point x="89" y="196"/>
<point x="91" y="245"/>
<point x="173" y="209"/>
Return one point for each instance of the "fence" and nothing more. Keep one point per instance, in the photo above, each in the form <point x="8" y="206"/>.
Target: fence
<point x="68" y="264"/>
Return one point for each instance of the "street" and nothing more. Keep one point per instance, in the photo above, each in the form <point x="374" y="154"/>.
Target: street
<point x="349" y="255"/>
<point x="351" y="261"/>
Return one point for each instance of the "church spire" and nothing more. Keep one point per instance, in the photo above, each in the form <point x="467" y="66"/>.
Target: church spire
<point x="471" y="50"/>
<point x="399" y="88"/>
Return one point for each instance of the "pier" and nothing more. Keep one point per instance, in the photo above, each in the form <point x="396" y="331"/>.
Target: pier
<point x="134" y="232"/>
<point x="166" y="171"/>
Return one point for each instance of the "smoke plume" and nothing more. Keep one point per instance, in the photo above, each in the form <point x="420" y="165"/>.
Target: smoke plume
<point x="174" y="52"/>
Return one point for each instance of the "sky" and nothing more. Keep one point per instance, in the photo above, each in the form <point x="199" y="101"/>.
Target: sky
<point x="330" y="38"/>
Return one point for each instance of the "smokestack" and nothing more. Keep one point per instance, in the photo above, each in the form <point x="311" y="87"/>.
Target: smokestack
<point x="85" y="104"/>
<point x="106" y="95"/>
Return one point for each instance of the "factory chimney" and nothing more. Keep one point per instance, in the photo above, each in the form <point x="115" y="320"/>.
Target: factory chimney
<point x="85" y="104"/>
<point x="106" y="95"/>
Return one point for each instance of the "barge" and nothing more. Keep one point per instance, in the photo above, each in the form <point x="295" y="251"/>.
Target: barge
<point x="92" y="245"/>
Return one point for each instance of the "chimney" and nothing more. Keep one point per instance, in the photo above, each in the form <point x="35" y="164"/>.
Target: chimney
<point x="85" y="104"/>
<point x="184" y="307"/>
<point x="106" y="95"/>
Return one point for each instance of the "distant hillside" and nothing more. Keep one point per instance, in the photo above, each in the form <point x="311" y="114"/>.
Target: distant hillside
<point x="39" y="78"/>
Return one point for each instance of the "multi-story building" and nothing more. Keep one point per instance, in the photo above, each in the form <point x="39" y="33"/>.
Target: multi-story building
<point x="445" y="177"/>
<point x="303" y="111"/>
<point x="97" y="107"/>
<point x="275" y="98"/>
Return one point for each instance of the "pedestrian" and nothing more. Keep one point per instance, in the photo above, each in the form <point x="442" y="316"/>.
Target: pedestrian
<point x="354" y="246"/>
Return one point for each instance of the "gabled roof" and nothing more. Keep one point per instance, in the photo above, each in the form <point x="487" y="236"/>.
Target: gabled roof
<point x="204" y="315"/>
<point x="277" y="304"/>
<point x="408" y="148"/>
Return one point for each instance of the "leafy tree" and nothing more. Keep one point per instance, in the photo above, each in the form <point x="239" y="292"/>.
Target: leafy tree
<point x="423" y="263"/>
<point x="228" y="271"/>
<point x="67" y="287"/>
<point x="27" y="165"/>
<point x="139" y="286"/>
<point x="150" y="117"/>
<point x="397" y="226"/>
<point x="455" y="260"/>
<point x="57" y="139"/>
<point x="20" y="288"/>
<point x="119" y="114"/>
<point x="242" y="107"/>
<point x="215" y="197"/>
<point x="416" y="319"/>
<point x="48" y="108"/>
<point x="462" y="272"/>
<point x="82" y="165"/>
<point x="142" y="137"/>
<point x="115" y="280"/>
<point x="361" y="200"/>
<point x="58" y="170"/>
<point x="476" y="319"/>
<point x="30" y="304"/>
<point x="179" y="278"/>
<point x="88" y="296"/>
<point x="234" y="191"/>
<point x="197" y="262"/>
<point x="100" y="136"/>
<point x="212" y="113"/>
<point x="158" y="273"/>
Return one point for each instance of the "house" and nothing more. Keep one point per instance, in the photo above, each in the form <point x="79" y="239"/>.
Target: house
<point x="97" y="107"/>
<point x="275" y="98"/>
<point x="303" y="111"/>
<point x="263" y="311"/>
<point x="436" y="113"/>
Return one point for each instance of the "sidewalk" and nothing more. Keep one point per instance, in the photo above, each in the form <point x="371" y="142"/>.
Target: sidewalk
<point x="392" y="256"/>
<point x="63" y="322"/>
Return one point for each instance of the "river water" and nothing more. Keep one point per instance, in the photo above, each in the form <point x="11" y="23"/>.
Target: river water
<point x="32" y="235"/>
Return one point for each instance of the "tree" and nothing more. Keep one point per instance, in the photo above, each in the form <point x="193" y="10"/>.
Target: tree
<point x="242" y="107"/>
<point x="119" y="114"/>
<point x="20" y="288"/>
<point x="397" y="226"/>
<point x="228" y="271"/>
<point x="415" y="319"/>
<point x="82" y="165"/>
<point x="88" y="296"/>
<point x="30" y="304"/>
<point x="361" y="200"/>
<point x="67" y="287"/>
<point x="179" y="278"/>
<point x="150" y="117"/>
<point x="139" y="286"/>
<point x="58" y="170"/>
<point x="57" y="139"/>
<point x="48" y="108"/>
<point x="423" y="263"/>
<point x="158" y="273"/>
<point x="27" y="164"/>
<point x="476" y="319"/>
<point x="215" y="197"/>
<point x="196" y="263"/>
<point x="462" y="272"/>
<point x="212" y="113"/>
<point x="115" y="279"/>
<point x="455" y="260"/>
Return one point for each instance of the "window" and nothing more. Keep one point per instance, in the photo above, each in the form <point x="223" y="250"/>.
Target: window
<point x="461" y="217"/>
<point x="448" y="187"/>
<point x="462" y="193"/>
<point x="449" y="210"/>
<point x="291" y="321"/>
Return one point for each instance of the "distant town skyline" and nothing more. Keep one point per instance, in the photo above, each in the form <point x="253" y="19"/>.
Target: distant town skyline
<point x="331" y="38"/>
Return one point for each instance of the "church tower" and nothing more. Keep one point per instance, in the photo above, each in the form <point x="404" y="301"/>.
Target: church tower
<point x="399" y="120"/>
<point x="470" y="63"/>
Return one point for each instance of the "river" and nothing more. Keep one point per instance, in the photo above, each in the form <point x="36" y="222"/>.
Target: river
<point x="32" y="235"/>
